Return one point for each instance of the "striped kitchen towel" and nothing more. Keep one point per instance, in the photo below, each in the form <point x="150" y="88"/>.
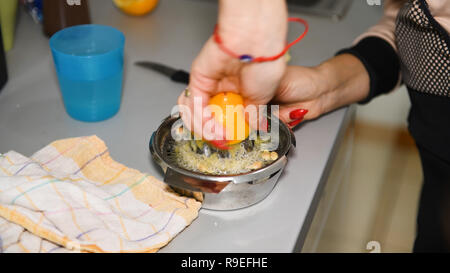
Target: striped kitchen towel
<point x="72" y="196"/>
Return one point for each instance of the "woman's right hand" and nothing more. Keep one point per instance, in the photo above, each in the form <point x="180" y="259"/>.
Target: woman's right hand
<point x="300" y="95"/>
<point x="307" y="92"/>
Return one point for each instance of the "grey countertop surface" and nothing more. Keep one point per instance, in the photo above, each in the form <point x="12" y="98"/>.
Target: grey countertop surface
<point x="32" y="115"/>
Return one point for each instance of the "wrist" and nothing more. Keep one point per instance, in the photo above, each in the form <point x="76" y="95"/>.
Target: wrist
<point x="255" y="27"/>
<point x="343" y="81"/>
<point x="325" y="79"/>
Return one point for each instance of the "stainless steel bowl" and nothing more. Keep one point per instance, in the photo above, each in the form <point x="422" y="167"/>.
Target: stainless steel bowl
<point x="220" y="192"/>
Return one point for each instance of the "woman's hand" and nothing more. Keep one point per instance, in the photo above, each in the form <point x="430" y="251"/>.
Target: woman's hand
<point x="308" y="92"/>
<point x="255" y="27"/>
<point x="300" y="95"/>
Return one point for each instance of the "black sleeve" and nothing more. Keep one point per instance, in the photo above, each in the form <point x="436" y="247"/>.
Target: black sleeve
<point x="381" y="62"/>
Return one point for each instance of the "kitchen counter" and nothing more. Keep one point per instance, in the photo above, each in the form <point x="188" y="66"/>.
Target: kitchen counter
<point x="32" y="115"/>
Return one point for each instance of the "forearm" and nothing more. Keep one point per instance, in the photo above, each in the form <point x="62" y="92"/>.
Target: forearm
<point x="342" y="80"/>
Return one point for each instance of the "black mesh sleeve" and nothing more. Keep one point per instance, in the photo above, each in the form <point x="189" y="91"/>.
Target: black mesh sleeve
<point x="381" y="62"/>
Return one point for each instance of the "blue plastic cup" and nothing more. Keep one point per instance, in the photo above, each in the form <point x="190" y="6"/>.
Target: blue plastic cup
<point x="89" y="64"/>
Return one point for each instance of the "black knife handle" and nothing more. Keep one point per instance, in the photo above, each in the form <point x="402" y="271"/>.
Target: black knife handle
<point x="180" y="76"/>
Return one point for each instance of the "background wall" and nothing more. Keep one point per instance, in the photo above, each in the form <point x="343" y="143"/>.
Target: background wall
<point x="388" y="110"/>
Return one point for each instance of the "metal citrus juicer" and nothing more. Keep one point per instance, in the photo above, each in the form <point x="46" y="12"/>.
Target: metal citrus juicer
<point x="220" y="192"/>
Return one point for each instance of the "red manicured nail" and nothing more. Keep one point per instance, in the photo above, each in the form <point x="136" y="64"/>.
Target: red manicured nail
<point x="220" y="144"/>
<point x="298" y="114"/>
<point x="295" y="122"/>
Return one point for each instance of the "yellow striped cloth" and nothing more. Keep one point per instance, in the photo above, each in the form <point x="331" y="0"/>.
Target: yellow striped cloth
<point x="72" y="196"/>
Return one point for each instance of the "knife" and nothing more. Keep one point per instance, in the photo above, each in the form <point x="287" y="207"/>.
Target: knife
<point x="176" y="75"/>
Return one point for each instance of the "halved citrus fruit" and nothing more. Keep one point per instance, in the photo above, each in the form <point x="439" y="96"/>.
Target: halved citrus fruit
<point x="136" y="7"/>
<point x="231" y="117"/>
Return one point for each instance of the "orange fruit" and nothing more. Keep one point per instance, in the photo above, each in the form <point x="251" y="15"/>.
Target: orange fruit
<point x="233" y="119"/>
<point x="136" y="7"/>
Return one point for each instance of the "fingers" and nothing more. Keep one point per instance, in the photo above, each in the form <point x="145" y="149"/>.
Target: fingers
<point x="206" y="73"/>
<point x="255" y="117"/>
<point x="297" y="116"/>
<point x="298" y="84"/>
<point x="294" y="114"/>
<point x="197" y="116"/>
<point x="258" y="90"/>
<point x="299" y="95"/>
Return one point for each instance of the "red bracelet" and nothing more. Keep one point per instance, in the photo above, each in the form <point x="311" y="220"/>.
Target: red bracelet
<point x="246" y="58"/>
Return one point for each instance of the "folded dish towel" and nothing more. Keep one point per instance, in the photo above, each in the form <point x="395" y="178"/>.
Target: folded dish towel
<point x="71" y="196"/>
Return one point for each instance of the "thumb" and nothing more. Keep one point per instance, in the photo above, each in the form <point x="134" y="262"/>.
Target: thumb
<point x="204" y="78"/>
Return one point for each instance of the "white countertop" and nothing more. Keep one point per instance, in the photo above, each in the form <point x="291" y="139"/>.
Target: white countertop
<point x="32" y="115"/>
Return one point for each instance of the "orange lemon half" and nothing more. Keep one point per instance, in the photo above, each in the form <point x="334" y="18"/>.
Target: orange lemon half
<point x="136" y="7"/>
<point x="228" y="110"/>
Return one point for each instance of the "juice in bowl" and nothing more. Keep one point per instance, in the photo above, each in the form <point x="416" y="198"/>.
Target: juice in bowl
<point x="89" y="65"/>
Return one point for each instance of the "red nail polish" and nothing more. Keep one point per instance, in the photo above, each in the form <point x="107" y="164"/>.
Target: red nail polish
<point x="295" y="122"/>
<point x="297" y="114"/>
